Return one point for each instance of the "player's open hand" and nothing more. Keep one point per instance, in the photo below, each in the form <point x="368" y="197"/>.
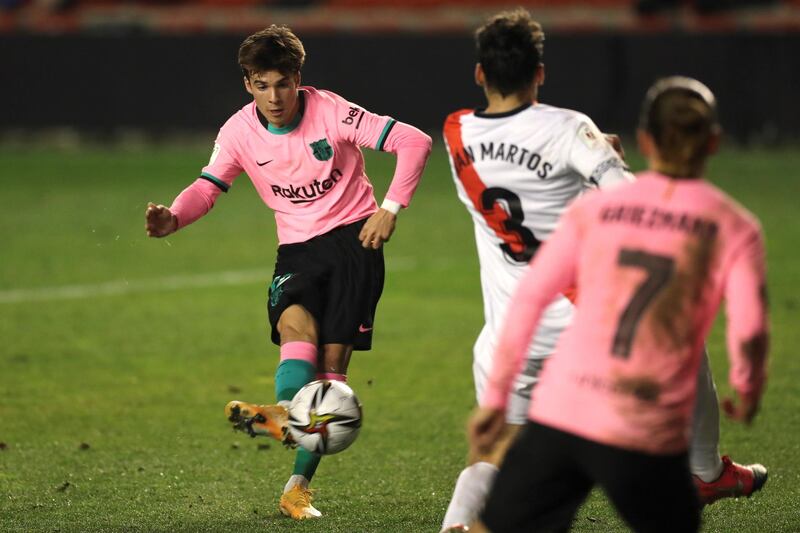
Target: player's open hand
<point x="743" y="411"/>
<point x="377" y="229"/>
<point x="159" y="221"/>
<point x="484" y="428"/>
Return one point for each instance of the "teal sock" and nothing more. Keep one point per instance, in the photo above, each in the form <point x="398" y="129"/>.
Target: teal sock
<point x="305" y="463"/>
<point x="290" y="377"/>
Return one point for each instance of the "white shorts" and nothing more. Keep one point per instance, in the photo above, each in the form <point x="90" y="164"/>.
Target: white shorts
<point x="554" y="320"/>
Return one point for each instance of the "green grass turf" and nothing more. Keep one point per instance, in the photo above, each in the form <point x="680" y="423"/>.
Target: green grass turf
<point x="141" y="377"/>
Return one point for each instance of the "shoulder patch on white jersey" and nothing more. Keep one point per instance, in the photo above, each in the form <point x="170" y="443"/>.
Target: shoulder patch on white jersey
<point x="214" y="154"/>
<point x="590" y="136"/>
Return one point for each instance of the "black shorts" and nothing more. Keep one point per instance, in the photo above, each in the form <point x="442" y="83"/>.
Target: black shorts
<point x="336" y="279"/>
<point x="547" y="474"/>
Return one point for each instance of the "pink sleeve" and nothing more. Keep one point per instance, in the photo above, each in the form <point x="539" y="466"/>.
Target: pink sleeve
<point x="746" y="305"/>
<point x="217" y="176"/>
<point x="553" y="269"/>
<point x="361" y="127"/>
<point x="223" y="167"/>
<point x="194" y="201"/>
<point x="412" y="148"/>
<point x="383" y="133"/>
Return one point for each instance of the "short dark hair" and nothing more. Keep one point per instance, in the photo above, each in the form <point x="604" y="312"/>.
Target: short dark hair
<point x="510" y="47"/>
<point x="681" y="115"/>
<point x="273" y="48"/>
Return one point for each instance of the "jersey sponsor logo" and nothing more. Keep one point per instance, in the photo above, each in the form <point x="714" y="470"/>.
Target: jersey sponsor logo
<point x="321" y="149"/>
<point x="308" y="193"/>
<point x="351" y="119"/>
<point x="507" y="152"/>
<point x="259" y="163"/>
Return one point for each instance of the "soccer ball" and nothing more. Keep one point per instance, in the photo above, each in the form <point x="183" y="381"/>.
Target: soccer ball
<point x="325" y="417"/>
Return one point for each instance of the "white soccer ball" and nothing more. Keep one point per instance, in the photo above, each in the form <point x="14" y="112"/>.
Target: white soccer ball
<point x="325" y="417"/>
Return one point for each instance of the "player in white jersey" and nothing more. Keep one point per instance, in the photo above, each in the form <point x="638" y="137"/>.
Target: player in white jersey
<point x="527" y="165"/>
<point x="517" y="165"/>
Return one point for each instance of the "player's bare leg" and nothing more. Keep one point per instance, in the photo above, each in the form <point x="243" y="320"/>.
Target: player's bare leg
<point x="297" y="324"/>
<point x="716" y="477"/>
<point x="474" y="483"/>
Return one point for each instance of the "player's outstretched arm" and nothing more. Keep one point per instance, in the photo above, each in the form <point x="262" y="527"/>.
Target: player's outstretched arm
<point x="377" y="229"/>
<point x="192" y="203"/>
<point x="159" y="221"/>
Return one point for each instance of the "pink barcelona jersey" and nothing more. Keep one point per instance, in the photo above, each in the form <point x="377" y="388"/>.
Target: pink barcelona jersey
<point x="310" y="172"/>
<point x="652" y="261"/>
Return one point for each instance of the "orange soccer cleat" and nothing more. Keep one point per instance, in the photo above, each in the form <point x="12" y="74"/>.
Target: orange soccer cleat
<point x="268" y="420"/>
<point x="296" y="503"/>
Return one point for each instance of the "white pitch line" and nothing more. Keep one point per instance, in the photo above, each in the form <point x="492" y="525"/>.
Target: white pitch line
<point x="116" y="288"/>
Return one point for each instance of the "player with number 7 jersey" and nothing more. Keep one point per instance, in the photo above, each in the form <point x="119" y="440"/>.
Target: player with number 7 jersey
<point x="652" y="261"/>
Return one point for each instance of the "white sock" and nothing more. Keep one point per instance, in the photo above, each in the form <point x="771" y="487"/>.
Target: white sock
<point x="295" y="480"/>
<point x="704" y="459"/>
<point x="469" y="496"/>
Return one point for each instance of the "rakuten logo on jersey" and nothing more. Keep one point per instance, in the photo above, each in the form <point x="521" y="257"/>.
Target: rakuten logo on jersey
<point x="308" y="193"/>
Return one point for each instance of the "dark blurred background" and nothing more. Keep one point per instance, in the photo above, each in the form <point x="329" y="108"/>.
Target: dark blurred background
<point x="106" y="68"/>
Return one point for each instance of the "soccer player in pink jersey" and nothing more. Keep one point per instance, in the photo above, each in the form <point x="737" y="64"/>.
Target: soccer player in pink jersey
<point x="652" y="261"/>
<point x="517" y="164"/>
<point x="301" y="149"/>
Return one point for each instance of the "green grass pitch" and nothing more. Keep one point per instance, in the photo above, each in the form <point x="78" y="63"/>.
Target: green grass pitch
<point x="118" y="353"/>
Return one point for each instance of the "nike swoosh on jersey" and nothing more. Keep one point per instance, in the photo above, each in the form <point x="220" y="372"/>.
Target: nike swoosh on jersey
<point x="264" y="163"/>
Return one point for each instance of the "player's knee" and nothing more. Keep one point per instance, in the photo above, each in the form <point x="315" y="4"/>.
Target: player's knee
<point x="297" y="324"/>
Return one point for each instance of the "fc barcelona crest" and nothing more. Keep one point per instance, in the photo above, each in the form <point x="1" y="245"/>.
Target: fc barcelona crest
<point x="321" y="149"/>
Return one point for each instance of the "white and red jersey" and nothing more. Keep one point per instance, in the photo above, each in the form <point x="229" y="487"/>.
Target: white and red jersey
<point x="516" y="173"/>
<point x="652" y="261"/>
<point x="310" y="172"/>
